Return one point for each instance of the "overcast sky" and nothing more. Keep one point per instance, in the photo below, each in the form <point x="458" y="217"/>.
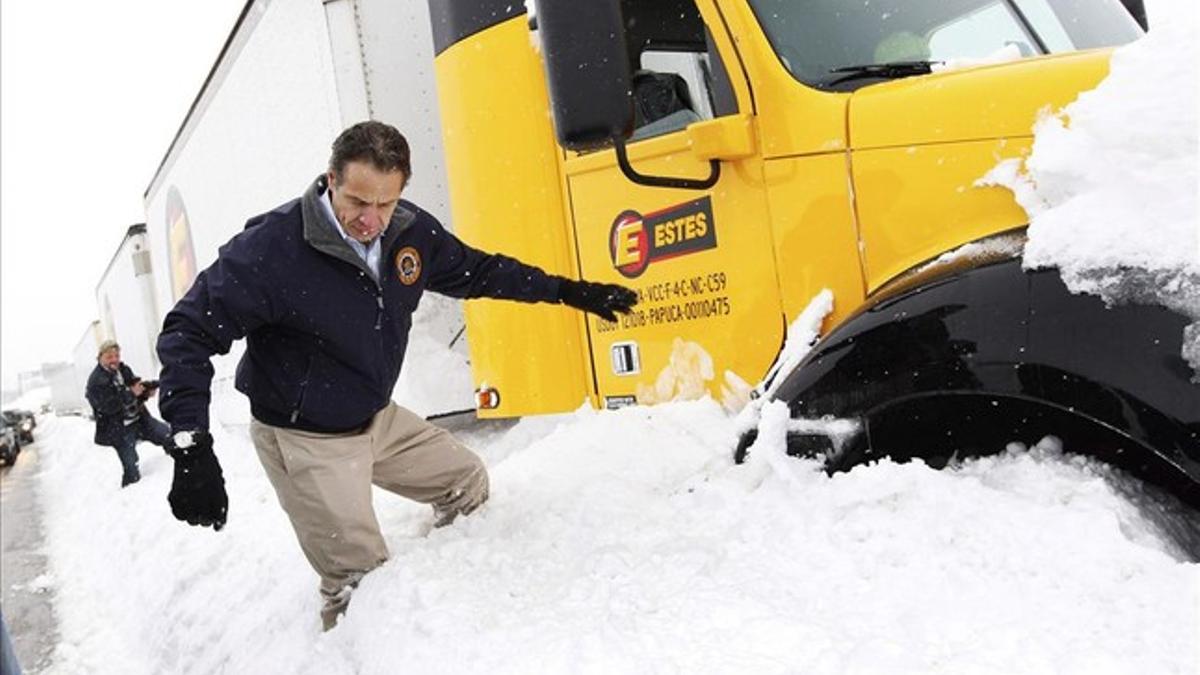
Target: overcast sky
<point x="91" y="94"/>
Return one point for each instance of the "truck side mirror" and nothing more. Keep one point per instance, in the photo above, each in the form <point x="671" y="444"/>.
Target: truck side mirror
<point x="587" y="70"/>
<point x="588" y="74"/>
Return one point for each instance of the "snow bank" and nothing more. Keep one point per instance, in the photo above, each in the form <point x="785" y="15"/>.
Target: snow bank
<point x="627" y="542"/>
<point x="1111" y="185"/>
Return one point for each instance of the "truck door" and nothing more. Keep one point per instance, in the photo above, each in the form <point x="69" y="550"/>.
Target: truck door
<point x="709" y="318"/>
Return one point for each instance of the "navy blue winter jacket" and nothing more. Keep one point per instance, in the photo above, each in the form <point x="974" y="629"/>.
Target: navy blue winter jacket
<point x="325" y="340"/>
<point x="109" y="399"/>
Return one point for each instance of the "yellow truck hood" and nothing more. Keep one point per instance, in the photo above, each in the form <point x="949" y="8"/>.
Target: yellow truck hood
<point x="993" y="101"/>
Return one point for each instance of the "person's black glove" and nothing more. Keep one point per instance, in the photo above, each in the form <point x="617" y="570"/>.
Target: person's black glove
<point x="198" y="491"/>
<point x="600" y="299"/>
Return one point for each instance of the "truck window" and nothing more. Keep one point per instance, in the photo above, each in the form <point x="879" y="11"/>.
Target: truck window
<point x="812" y="38"/>
<point x="1041" y="16"/>
<point x="977" y="34"/>
<point x="692" y="67"/>
<point x="1067" y="25"/>
<point x="678" y="77"/>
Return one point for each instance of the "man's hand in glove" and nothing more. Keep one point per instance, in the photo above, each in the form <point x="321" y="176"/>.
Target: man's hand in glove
<point x="600" y="299"/>
<point x="198" y="491"/>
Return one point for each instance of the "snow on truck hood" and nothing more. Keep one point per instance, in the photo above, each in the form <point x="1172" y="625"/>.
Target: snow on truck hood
<point x="1110" y="186"/>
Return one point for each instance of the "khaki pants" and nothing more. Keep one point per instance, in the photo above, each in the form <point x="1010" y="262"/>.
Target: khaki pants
<point x="323" y="482"/>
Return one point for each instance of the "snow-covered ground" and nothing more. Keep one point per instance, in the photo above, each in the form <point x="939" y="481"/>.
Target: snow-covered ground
<point x="628" y="541"/>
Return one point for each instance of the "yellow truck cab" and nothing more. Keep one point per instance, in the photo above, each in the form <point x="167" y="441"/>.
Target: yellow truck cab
<point x="730" y="159"/>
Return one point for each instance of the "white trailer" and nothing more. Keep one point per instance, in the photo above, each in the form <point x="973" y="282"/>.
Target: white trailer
<point x="290" y="77"/>
<point x="68" y="381"/>
<point x="126" y="299"/>
<point x="66" y="396"/>
<point x="83" y="359"/>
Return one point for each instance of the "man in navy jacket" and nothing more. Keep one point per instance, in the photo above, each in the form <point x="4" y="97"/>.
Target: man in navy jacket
<point x="323" y="289"/>
<point x="117" y="398"/>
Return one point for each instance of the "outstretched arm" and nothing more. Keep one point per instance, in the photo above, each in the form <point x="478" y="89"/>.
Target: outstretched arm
<point x="465" y="272"/>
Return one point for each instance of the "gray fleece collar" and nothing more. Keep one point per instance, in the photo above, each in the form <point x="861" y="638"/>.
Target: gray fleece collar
<point x="323" y="235"/>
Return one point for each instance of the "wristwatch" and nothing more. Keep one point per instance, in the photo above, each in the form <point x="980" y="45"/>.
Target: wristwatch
<point x="184" y="439"/>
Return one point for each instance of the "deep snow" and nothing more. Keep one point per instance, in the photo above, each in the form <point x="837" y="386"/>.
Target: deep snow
<point x="1112" y="182"/>
<point x="628" y="541"/>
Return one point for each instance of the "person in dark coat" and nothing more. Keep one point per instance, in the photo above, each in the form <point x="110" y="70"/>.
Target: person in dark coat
<point x="118" y="397"/>
<point x="323" y="289"/>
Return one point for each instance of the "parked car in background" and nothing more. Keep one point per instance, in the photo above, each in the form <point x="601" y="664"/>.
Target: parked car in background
<point x="23" y="421"/>
<point x="10" y="442"/>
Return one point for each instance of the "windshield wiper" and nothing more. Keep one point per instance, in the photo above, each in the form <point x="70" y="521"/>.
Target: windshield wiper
<point x="890" y="71"/>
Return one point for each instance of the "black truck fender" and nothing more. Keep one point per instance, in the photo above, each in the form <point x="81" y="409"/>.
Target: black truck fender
<point x="960" y="362"/>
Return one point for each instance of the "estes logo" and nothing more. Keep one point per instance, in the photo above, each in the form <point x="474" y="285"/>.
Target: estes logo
<point x="636" y="240"/>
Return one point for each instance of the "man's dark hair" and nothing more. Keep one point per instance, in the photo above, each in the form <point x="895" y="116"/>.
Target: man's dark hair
<point x="375" y="142"/>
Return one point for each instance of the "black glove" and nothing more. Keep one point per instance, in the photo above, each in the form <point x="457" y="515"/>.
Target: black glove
<point x="198" y="491"/>
<point x="600" y="299"/>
